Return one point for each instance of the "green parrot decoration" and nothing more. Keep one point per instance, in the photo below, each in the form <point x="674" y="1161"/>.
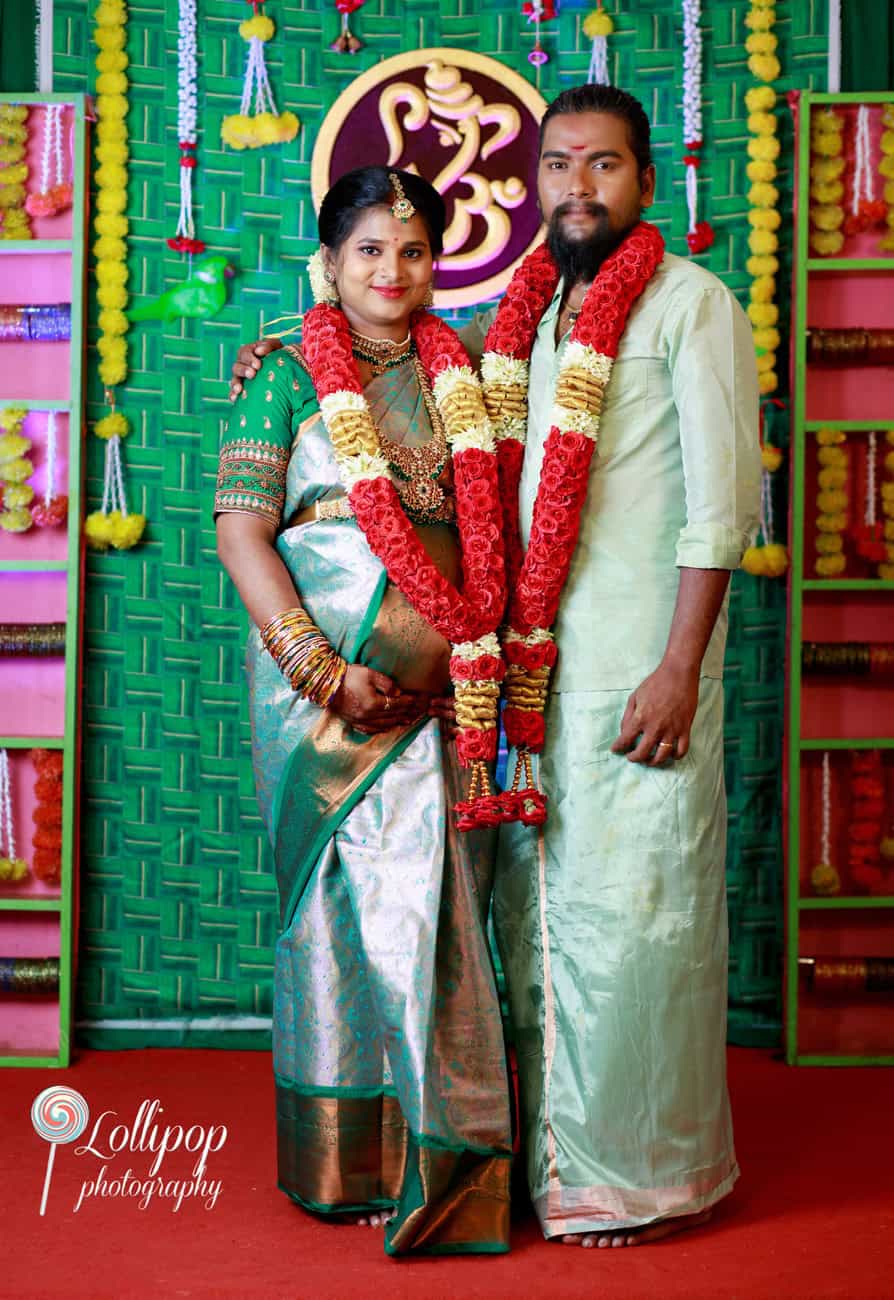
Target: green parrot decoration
<point x="201" y="296"/>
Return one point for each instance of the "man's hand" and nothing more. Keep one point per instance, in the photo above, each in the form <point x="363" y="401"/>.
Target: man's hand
<point x="372" y="702"/>
<point x="658" y="718"/>
<point x="444" y="707"/>
<point x="248" y="362"/>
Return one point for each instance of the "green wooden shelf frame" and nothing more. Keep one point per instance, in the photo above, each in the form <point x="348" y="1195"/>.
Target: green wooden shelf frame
<point x="33" y="566"/>
<point x="69" y="741"/>
<point x="38" y="245"/>
<point x="799" y="587"/>
<point x="850" y="263"/>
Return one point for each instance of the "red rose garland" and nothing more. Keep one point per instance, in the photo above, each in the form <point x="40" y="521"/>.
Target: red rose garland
<point x="538" y="577"/>
<point x="468" y="619"/>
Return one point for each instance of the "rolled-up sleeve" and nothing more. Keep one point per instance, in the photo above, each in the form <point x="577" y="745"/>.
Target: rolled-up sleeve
<point x="715" y="388"/>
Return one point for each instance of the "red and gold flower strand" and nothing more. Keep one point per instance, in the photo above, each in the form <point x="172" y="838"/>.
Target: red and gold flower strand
<point x="469" y="619"/>
<point x="537" y="578"/>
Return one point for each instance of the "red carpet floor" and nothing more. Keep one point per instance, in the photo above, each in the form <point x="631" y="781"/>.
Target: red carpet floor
<point x="812" y="1216"/>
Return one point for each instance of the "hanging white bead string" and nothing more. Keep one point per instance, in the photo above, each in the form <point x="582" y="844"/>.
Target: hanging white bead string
<point x="766" y="509"/>
<point x="50" y="490"/>
<point x="833" y="64"/>
<point x="7" y="831"/>
<point x="869" y="508"/>
<point x="113" y="494"/>
<point x="598" y="26"/>
<point x="597" y="73"/>
<point x="43" y="37"/>
<point x="863" y="184"/>
<point x="826" y="830"/>
<point x="257" y="82"/>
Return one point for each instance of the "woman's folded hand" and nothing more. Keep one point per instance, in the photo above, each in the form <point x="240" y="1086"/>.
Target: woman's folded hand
<point x="371" y="702"/>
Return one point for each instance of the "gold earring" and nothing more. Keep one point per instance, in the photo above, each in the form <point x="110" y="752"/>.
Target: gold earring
<point x="429" y="300"/>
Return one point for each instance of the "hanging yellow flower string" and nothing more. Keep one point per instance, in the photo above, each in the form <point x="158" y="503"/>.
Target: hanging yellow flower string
<point x="886" y="169"/>
<point x="14" y="222"/>
<point x="112" y="525"/>
<point x="886" y="570"/>
<point x="831" y="502"/>
<point x="15" y="494"/>
<point x="249" y="129"/>
<point x="826" y="182"/>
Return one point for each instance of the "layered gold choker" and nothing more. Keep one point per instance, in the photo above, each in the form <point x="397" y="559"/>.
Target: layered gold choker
<point x="381" y="354"/>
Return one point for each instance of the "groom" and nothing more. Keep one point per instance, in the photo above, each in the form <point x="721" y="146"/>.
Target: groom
<point x="611" y="919"/>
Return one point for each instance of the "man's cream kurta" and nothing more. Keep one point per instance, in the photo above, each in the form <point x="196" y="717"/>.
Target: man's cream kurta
<point x="612" y="920"/>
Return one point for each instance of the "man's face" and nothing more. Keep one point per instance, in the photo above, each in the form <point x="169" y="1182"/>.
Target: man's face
<point x="589" y="179"/>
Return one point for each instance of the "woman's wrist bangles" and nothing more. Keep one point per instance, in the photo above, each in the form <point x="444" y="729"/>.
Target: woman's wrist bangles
<point x="304" y="656"/>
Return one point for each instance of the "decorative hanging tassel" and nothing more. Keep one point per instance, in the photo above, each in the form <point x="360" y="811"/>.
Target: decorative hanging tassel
<point x="13" y="869"/>
<point x="537" y="12"/>
<point x="598" y="26"/>
<point x="870" y="535"/>
<point x="824" y="877"/>
<point x="53" y="510"/>
<point x="770" y="558"/>
<point x="113" y="525"/>
<point x="347" y="42"/>
<point x="866" y="211"/>
<point x="184" y="239"/>
<point x="54" y="195"/>
<point x="258" y="122"/>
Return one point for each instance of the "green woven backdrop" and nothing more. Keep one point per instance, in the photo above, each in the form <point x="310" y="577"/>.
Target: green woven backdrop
<point x="178" y="906"/>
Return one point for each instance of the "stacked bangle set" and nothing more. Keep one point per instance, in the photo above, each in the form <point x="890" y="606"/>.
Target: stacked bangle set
<point x="304" y="656"/>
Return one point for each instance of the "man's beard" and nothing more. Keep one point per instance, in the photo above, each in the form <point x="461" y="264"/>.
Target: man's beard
<point x="579" y="260"/>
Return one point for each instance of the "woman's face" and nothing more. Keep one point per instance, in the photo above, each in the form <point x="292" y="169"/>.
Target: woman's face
<point x="382" y="272"/>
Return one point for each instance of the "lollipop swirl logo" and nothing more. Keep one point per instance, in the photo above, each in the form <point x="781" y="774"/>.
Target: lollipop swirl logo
<point x="58" y="1115"/>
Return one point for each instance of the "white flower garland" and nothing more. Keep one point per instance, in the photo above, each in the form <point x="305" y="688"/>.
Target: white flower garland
<point x="863" y="183"/>
<point x="700" y="236"/>
<point x="187" y="101"/>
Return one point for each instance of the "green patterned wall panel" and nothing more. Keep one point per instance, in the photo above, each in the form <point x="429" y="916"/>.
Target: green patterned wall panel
<point x="179" y="911"/>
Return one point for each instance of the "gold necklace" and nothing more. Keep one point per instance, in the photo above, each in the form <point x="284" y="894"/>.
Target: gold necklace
<point x="417" y="469"/>
<point x="380" y="354"/>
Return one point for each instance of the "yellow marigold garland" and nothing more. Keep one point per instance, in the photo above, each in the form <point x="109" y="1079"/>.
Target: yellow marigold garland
<point x="14" y="222"/>
<point x="832" y="503"/>
<point x="113" y="526"/>
<point x="826" y="182"/>
<point x="886" y="169"/>
<point x="763" y="196"/>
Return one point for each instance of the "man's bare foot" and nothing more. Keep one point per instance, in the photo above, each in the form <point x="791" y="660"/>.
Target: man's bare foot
<point x="636" y="1236"/>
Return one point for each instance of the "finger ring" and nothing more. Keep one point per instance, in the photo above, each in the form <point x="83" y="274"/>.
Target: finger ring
<point x="387" y="702"/>
<point x="666" y="744"/>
